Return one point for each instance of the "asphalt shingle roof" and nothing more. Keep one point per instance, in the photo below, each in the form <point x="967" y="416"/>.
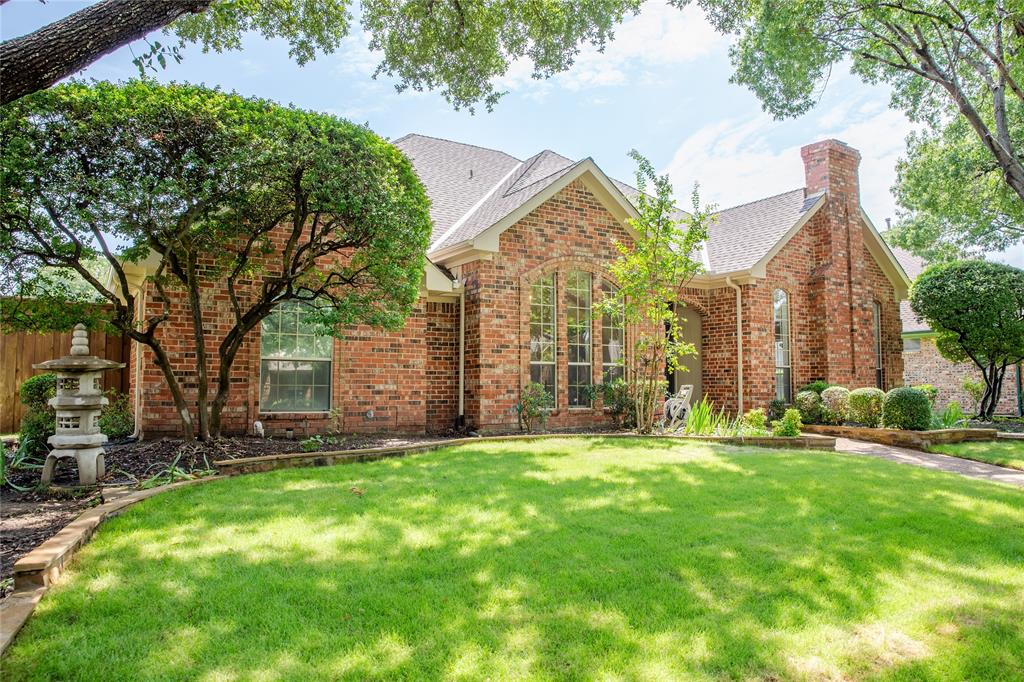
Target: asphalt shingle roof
<point x="472" y="188"/>
<point x="912" y="265"/>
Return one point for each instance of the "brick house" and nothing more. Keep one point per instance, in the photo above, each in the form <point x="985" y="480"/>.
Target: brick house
<point x="798" y="286"/>
<point x="923" y="364"/>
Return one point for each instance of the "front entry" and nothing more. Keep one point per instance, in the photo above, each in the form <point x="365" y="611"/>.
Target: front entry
<point x="690" y="325"/>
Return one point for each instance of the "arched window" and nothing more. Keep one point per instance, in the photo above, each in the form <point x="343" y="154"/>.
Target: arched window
<point x="783" y="367"/>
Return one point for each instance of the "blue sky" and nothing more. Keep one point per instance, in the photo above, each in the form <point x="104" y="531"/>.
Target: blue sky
<point x="661" y="87"/>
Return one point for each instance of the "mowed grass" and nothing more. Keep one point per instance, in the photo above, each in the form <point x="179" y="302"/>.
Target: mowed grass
<point x="1005" y="453"/>
<point x="588" y="559"/>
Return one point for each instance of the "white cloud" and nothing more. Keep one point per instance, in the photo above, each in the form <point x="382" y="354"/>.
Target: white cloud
<point x="740" y="160"/>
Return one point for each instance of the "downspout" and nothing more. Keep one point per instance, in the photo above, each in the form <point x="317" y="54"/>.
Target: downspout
<point x="1020" y="395"/>
<point x="461" y="420"/>
<point x="739" y="341"/>
<point x="137" y="398"/>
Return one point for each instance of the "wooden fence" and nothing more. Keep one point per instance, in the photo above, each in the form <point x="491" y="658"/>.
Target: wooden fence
<point x="20" y="350"/>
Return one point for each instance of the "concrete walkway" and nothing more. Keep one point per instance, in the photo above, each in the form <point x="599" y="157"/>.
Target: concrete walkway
<point x="930" y="460"/>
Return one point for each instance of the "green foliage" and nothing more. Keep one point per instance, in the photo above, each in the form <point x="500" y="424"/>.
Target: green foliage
<point x="950" y="418"/>
<point x="702" y="419"/>
<point x="865" y="406"/>
<point x="906" y="408"/>
<point x="532" y="408"/>
<point x="618" y="400"/>
<point x="651" y="272"/>
<point x="818" y="385"/>
<point x="755" y="421"/>
<point x="954" y="201"/>
<point x="776" y="408"/>
<point x="977" y="308"/>
<point x="930" y="392"/>
<point x="808" y="404"/>
<point x="175" y="175"/>
<point x="311" y="444"/>
<point x="835" y="404"/>
<point x="789" y="426"/>
<point x="39" y="421"/>
<point x="116" y="419"/>
<point x="36" y="391"/>
<point x="975" y="389"/>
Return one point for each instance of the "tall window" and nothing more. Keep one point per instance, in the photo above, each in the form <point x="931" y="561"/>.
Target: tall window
<point x="578" y="323"/>
<point x="542" y="334"/>
<point x="877" y="324"/>
<point x="783" y="368"/>
<point x="613" y="340"/>
<point x="295" y="367"/>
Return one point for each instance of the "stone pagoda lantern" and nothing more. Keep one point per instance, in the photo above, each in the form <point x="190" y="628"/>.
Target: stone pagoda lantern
<point x="78" y="403"/>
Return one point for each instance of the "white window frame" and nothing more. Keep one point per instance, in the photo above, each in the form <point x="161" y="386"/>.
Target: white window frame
<point x="610" y="323"/>
<point x="586" y="313"/>
<point x="264" y="358"/>
<point x="783" y="352"/>
<point x="541" y="282"/>
<point x="876" y="309"/>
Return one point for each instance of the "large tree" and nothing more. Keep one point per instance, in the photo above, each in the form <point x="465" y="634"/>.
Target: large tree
<point x="954" y="203"/>
<point x="942" y="58"/>
<point x="977" y="308"/>
<point x="457" y="46"/>
<point x="210" y="192"/>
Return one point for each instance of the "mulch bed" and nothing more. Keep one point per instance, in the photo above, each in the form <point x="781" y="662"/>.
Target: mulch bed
<point x="29" y="517"/>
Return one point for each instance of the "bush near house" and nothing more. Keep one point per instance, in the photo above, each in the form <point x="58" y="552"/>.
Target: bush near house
<point x="906" y="408"/>
<point x="776" y="409"/>
<point x="865" y="406"/>
<point x="116" y="420"/>
<point x="835" y="404"/>
<point x="534" y="403"/>
<point x="818" y="386"/>
<point x="39" y="422"/>
<point x="929" y="391"/>
<point x="789" y="425"/>
<point x="808" y="404"/>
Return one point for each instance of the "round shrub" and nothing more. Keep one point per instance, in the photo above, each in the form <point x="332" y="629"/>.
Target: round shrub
<point x="116" y="420"/>
<point x="929" y="391"/>
<point x="906" y="408"/>
<point x="866" y="406"/>
<point x="808" y="403"/>
<point x="818" y="385"/>
<point x="35" y="392"/>
<point x="789" y="426"/>
<point x="835" y="403"/>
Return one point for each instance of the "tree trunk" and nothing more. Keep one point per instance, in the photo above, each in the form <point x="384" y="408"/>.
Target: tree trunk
<point x="202" y="379"/>
<point x="164" y="363"/>
<point x="38" y="60"/>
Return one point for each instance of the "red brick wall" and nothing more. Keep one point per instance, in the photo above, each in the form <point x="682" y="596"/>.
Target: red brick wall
<point x="927" y="366"/>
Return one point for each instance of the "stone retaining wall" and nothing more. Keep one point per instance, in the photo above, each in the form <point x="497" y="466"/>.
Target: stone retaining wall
<point x="918" y="440"/>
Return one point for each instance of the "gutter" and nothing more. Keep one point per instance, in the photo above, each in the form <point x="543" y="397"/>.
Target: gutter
<point x="137" y="388"/>
<point x="1020" y="396"/>
<point x="739" y="342"/>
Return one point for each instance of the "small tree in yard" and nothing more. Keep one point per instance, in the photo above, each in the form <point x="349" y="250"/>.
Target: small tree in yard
<point x="215" y="192"/>
<point x="651" y="273"/>
<point x="978" y="310"/>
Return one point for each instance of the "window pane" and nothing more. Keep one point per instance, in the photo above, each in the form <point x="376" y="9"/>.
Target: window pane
<point x="613" y="340"/>
<point x="296" y="369"/>
<point x="780" y="321"/>
<point x="542" y="334"/>
<point x="578" y="321"/>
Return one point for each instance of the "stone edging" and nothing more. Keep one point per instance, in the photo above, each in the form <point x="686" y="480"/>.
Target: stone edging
<point x="35" y="572"/>
<point x="917" y="440"/>
<point x="252" y="465"/>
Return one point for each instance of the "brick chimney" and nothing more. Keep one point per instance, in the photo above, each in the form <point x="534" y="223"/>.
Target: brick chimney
<point x="831" y="166"/>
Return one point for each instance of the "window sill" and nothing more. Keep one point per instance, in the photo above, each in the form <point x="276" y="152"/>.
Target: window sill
<point x="296" y="415"/>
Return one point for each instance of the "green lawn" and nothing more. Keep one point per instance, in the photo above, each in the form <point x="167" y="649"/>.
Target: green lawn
<point x="590" y="558"/>
<point x="1005" y="453"/>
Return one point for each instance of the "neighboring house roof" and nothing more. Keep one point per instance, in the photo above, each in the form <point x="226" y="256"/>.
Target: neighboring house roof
<point x="477" y="192"/>
<point x="912" y="265"/>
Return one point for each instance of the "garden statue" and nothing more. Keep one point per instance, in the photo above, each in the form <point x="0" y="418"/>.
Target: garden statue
<point x="77" y="404"/>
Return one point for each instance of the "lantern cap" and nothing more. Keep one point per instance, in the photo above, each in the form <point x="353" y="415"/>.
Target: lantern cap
<point x="79" y="361"/>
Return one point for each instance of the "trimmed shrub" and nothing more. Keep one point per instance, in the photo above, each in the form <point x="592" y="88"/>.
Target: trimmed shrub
<point x="906" y="408"/>
<point x="776" y="409"/>
<point x="534" y="402"/>
<point x="835" y="404"/>
<point x="755" y="420"/>
<point x="39" y="421"/>
<point x="35" y="392"/>
<point x="116" y="419"/>
<point x="808" y="404"/>
<point x="789" y="425"/>
<point x="818" y="386"/>
<point x="866" y="406"/>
